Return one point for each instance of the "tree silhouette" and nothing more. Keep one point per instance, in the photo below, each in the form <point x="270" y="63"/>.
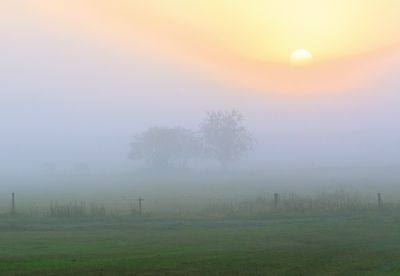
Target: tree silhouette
<point x="225" y="137"/>
<point x="163" y="148"/>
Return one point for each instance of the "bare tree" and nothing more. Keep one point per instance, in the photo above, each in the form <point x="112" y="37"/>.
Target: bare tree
<point x="165" y="147"/>
<point x="225" y="137"/>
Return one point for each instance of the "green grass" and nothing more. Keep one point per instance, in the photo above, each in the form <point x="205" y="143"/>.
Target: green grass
<point x="347" y="244"/>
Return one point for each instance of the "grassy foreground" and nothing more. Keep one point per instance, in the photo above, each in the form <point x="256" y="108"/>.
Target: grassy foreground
<point x="351" y="244"/>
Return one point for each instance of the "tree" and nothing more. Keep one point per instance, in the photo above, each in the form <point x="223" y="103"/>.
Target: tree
<point x="225" y="137"/>
<point x="165" y="147"/>
<point x="189" y="146"/>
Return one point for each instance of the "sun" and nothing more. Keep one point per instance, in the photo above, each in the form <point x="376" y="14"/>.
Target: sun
<point x="301" y="57"/>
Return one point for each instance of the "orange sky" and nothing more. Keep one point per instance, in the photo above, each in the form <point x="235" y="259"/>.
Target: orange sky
<point x="245" y="42"/>
<point x="82" y="75"/>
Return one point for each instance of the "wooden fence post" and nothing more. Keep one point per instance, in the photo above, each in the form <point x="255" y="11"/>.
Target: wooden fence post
<point x="13" y="203"/>
<point x="379" y="200"/>
<point x="140" y="205"/>
<point x="276" y="199"/>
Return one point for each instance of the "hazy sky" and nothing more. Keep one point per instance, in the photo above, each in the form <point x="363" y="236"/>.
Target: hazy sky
<point x="79" y="78"/>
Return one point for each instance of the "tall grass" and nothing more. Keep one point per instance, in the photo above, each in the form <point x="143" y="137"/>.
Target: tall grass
<point x="76" y="209"/>
<point x="262" y="206"/>
<point x="296" y="204"/>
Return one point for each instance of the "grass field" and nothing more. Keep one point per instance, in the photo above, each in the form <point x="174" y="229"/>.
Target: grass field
<point x="354" y="243"/>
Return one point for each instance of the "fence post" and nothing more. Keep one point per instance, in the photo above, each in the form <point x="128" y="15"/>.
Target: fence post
<point x="140" y="205"/>
<point x="276" y="199"/>
<point x="13" y="203"/>
<point x="379" y="200"/>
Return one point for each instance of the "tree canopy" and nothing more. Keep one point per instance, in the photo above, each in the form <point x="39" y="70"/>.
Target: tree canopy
<point x="222" y="136"/>
<point x="163" y="147"/>
<point x="225" y="137"/>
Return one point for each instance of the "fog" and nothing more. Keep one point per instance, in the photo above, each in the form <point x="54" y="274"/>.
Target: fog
<point x="71" y="105"/>
<point x="66" y="103"/>
<point x="136" y="140"/>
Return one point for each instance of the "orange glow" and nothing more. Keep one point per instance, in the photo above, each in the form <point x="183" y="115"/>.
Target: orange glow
<point x="247" y="42"/>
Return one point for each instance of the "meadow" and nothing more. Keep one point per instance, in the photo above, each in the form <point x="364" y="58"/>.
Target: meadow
<point x="346" y="244"/>
<point x="208" y="230"/>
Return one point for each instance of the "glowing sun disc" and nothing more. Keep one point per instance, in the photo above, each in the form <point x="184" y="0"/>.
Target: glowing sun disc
<point x="301" y="57"/>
